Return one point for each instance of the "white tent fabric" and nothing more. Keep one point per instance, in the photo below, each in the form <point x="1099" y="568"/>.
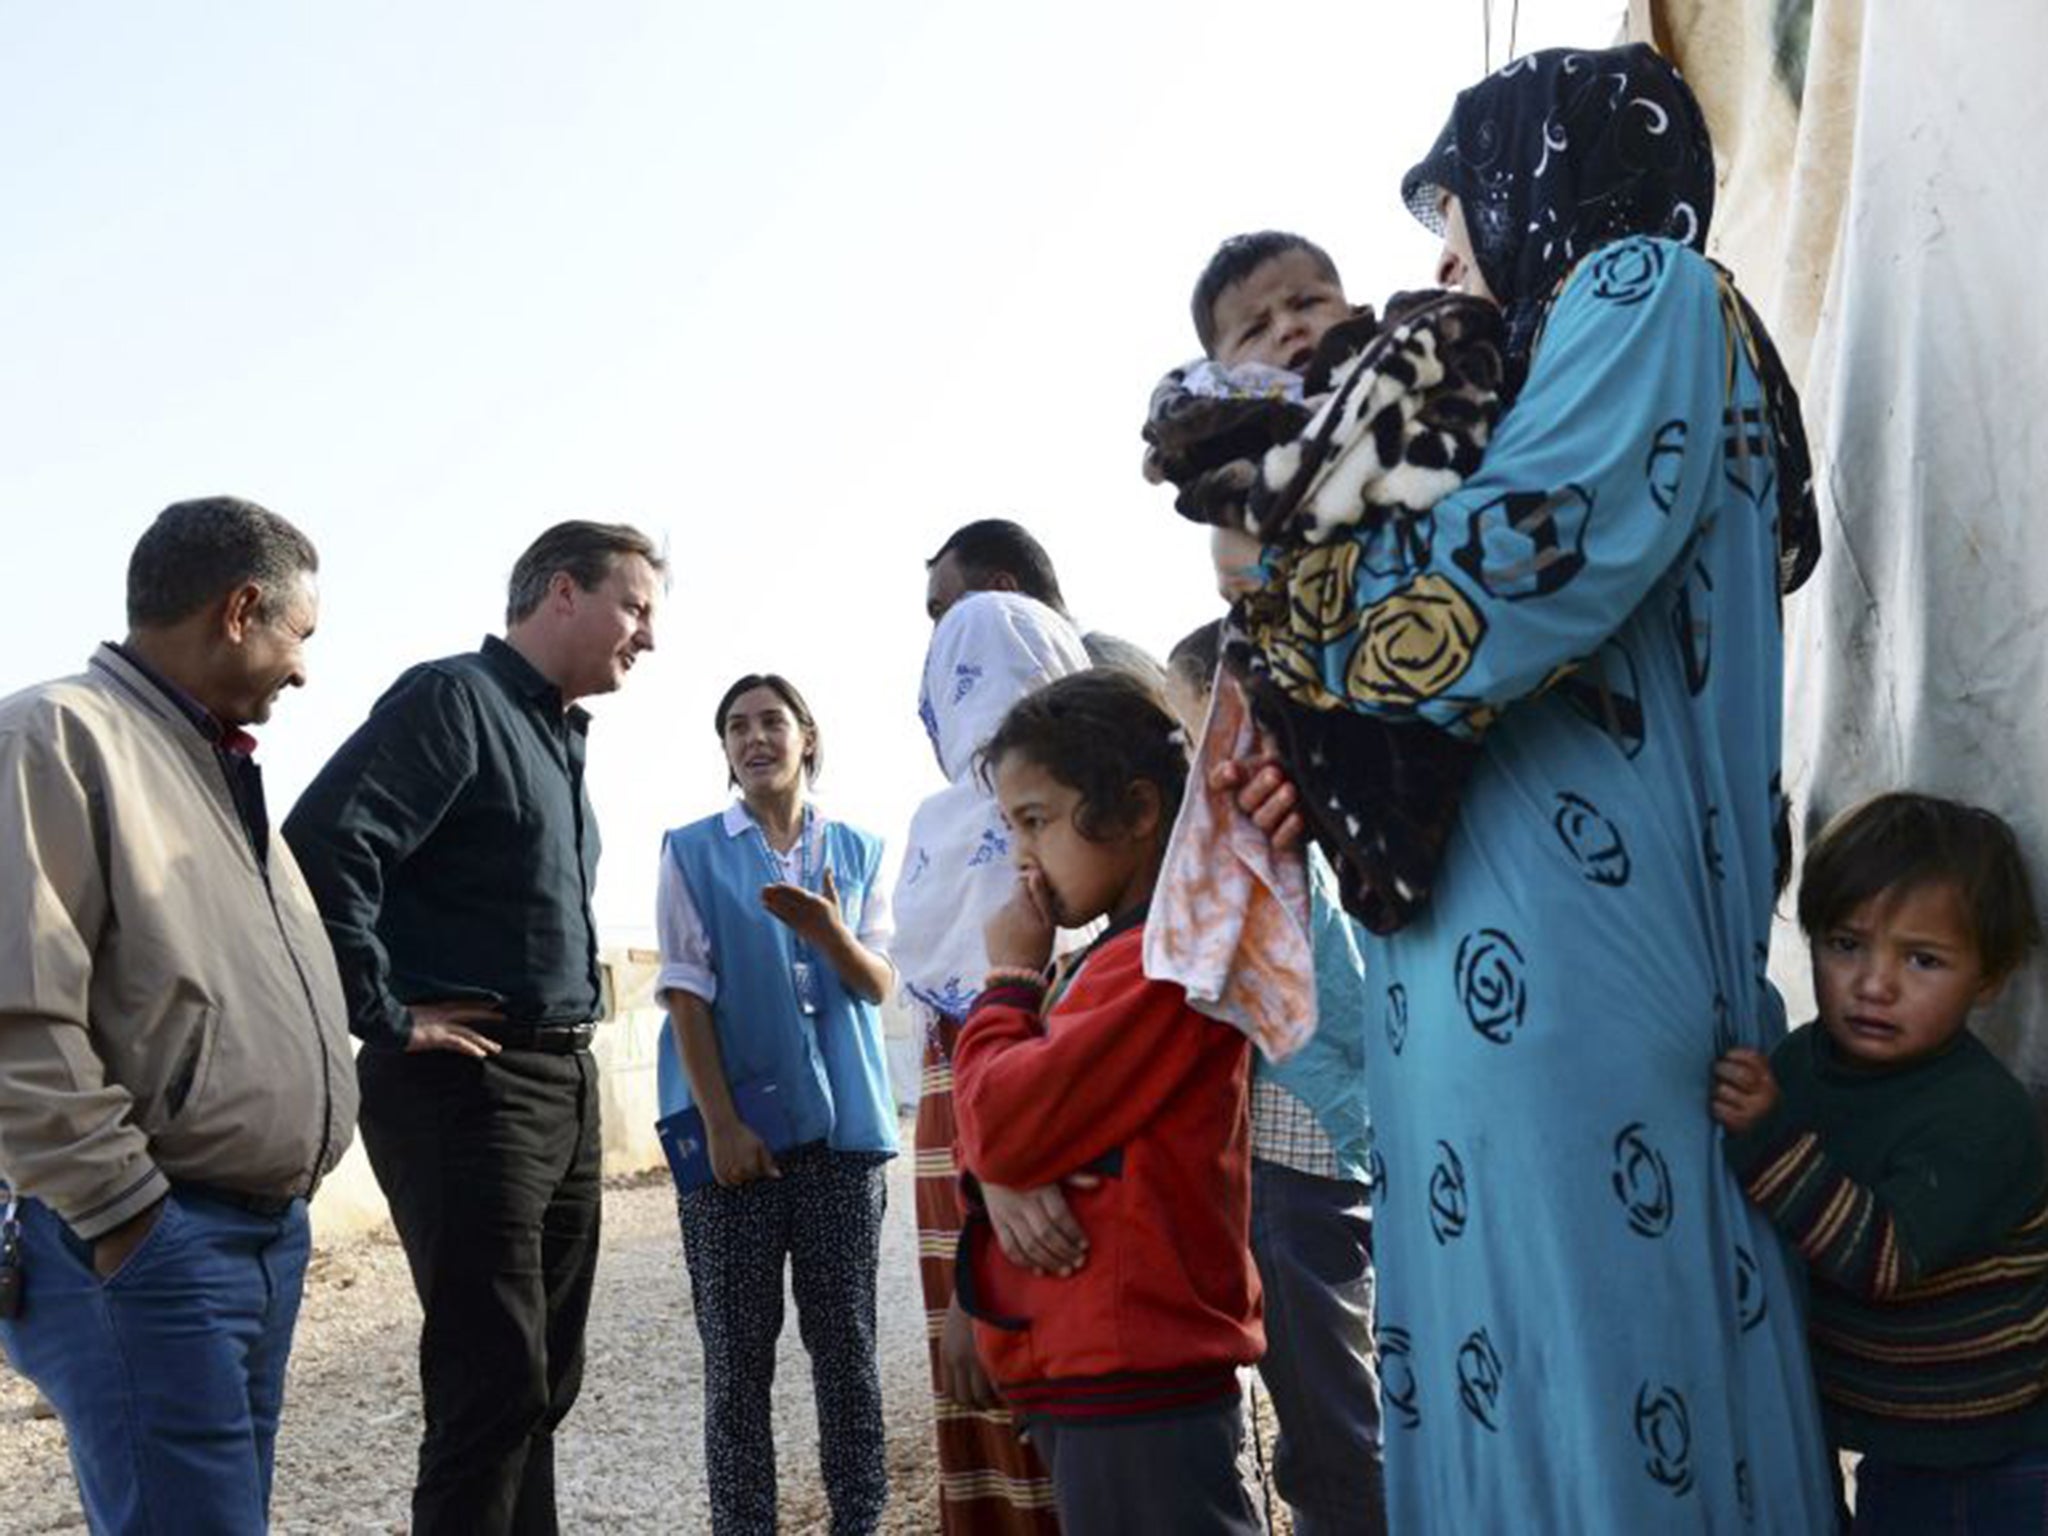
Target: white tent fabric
<point x="1889" y="233"/>
<point x="1784" y="126"/>
<point x="1918" y="655"/>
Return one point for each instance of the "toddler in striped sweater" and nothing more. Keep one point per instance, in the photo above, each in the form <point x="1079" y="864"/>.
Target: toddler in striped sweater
<point x="1907" y="1165"/>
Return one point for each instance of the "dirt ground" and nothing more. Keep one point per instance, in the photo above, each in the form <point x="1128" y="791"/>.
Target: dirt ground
<point x="629" y="1457"/>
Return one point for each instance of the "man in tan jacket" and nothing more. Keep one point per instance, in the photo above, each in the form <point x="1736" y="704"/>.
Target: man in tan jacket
<point x="175" y="1075"/>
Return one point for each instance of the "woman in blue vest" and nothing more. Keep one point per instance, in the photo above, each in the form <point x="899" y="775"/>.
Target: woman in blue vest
<point x="772" y="922"/>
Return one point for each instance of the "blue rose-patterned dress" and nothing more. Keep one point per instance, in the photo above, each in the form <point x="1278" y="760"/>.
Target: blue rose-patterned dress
<point x="1584" y="1327"/>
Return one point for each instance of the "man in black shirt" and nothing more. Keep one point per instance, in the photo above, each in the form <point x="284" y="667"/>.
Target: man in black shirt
<point x="451" y="847"/>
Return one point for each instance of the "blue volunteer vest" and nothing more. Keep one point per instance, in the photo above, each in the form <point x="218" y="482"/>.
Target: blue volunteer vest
<point x="829" y="1068"/>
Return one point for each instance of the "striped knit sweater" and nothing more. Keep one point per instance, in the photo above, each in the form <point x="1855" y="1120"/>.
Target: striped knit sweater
<point x="1919" y="1197"/>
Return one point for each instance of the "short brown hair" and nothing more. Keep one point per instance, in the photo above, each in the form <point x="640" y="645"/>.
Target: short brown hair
<point x="586" y="551"/>
<point x="1903" y="842"/>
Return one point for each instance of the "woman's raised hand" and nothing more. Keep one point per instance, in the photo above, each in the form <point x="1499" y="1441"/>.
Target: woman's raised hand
<point x="812" y="916"/>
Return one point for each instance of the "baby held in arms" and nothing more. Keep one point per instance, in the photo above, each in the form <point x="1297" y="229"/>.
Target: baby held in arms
<point x="1313" y="440"/>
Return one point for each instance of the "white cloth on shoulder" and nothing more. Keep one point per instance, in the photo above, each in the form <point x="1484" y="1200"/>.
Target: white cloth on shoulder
<point x="1230" y="917"/>
<point x="990" y="650"/>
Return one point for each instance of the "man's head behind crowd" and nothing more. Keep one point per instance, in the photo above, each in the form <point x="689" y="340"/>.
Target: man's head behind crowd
<point x="992" y="555"/>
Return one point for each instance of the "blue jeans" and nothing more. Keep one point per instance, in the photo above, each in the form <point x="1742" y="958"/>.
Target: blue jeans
<point x="169" y="1375"/>
<point x="2009" y="1496"/>
<point x="1312" y="1239"/>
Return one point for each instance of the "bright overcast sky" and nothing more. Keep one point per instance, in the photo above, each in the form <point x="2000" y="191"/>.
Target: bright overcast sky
<point x="796" y="287"/>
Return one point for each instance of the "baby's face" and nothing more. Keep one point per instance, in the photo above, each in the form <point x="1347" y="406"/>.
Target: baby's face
<point x="1277" y="312"/>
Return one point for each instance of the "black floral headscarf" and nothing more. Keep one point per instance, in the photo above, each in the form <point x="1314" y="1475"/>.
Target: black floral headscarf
<point x="1562" y="151"/>
<point x="1558" y="153"/>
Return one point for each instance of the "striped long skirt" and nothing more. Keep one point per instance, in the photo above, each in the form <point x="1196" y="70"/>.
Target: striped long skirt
<point x="990" y="1482"/>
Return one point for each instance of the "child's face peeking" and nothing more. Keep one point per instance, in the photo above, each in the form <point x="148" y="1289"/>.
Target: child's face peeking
<point x="1277" y="312"/>
<point x="1084" y="878"/>
<point x="1897" y="977"/>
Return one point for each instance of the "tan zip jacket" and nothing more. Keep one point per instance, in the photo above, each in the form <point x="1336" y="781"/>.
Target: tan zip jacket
<point x="167" y="1009"/>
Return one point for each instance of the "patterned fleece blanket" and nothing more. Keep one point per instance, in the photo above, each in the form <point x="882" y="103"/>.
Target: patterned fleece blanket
<point x="1390" y="417"/>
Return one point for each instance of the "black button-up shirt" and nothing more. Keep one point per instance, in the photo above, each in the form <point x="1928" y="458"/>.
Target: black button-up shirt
<point x="451" y="847"/>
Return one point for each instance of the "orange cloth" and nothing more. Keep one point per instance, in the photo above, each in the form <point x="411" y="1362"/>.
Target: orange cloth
<point x="1230" y="917"/>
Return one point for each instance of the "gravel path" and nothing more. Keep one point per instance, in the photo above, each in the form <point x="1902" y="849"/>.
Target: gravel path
<point x="628" y="1458"/>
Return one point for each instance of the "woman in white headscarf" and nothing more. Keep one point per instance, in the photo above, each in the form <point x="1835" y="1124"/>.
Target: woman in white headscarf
<point x="989" y="650"/>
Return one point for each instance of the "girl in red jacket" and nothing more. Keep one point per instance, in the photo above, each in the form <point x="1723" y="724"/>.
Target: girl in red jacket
<point x="1122" y="1367"/>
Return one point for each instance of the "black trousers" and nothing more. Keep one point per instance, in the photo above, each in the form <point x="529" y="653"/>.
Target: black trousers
<point x="493" y="1173"/>
<point x="1180" y="1475"/>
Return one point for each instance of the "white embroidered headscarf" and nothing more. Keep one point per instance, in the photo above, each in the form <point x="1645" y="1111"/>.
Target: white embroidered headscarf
<point x="989" y="650"/>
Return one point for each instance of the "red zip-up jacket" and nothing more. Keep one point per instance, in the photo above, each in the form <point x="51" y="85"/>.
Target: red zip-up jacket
<point x="1123" y="1078"/>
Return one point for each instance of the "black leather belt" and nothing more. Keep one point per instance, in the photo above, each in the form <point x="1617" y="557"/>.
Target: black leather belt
<point x="270" y="1207"/>
<point x="558" y="1038"/>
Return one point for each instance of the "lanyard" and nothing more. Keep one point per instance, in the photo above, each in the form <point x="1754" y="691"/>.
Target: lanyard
<point x="777" y="873"/>
<point x="803" y="965"/>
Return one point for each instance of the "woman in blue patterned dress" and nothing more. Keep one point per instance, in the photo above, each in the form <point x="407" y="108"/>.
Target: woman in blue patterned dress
<point x="1584" y="1328"/>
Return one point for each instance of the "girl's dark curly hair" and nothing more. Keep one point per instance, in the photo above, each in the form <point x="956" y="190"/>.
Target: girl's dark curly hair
<point x="1099" y="732"/>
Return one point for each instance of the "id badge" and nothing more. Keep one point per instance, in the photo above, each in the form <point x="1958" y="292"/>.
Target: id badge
<point x="805" y="975"/>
